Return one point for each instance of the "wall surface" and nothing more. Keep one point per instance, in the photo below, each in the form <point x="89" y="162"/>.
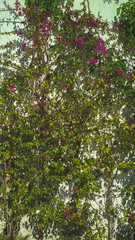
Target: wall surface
<point x="107" y="10"/>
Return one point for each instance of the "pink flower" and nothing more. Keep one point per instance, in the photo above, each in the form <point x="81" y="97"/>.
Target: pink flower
<point x="19" y="32"/>
<point x="78" y="41"/>
<point x="100" y="46"/>
<point x="43" y="63"/>
<point x="120" y="73"/>
<point x="23" y="45"/>
<point x="94" y="60"/>
<point x="46" y="157"/>
<point x="11" y="123"/>
<point x="128" y="120"/>
<point x="91" y="22"/>
<point x="45" y="28"/>
<point x="17" y="5"/>
<point x="37" y="10"/>
<point x="66" y="42"/>
<point x="129" y="74"/>
<point x="110" y="88"/>
<point x="103" y="70"/>
<point x="69" y="12"/>
<point x="67" y="86"/>
<point x="12" y="88"/>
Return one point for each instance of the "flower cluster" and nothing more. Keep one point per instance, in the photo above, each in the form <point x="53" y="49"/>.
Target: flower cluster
<point x="19" y="32"/>
<point x="131" y="218"/>
<point x="91" y="22"/>
<point x="129" y="74"/>
<point x="12" y="88"/>
<point x="78" y="42"/>
<point x="37" y="10"/>
<point x="67" y="213"/>
<point x="121" y="73"/>
<point x="45" y="26"/>
<point x="100" y="46"/>
<point x="94" y="60"/>
<point x="23" y="45"/>
<point x="17" y="5"/>
<point x="58" y="40"/>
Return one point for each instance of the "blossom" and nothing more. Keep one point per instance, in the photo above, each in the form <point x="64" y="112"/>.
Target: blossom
<point x="11" y="123"/>
<point x="102" y="70"/>
<point x="37" y="10"/>
<point x="21" y="76"/>
<point x="69" y="12"/>
<point x="110" y="88"/>
<point x="78" y="41"/>
<point x="66" y="42"/>
<point x="120" y="73"/>
<point x="19" y="32"/>
<point x="94" y="60"/>
<point x="91" y="22"/>
<point x="67" y="86"/>
<point x="45" y="28"/>
<point x="43" y="63"/>
<point x="23" y="45"/>
<point x="129" y="74"/>
<point x="17" y="5"/>
<point x="100" y="46"/>
<point x="128" y="120"/>
<point x="12" y="88"/>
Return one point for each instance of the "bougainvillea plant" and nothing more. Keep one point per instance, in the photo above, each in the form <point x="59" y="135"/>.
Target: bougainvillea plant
<point x="67" y="93"/>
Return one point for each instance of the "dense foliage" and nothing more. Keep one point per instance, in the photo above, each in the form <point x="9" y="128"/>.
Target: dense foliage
<point x="67" y="93"/>
<point x="126" y="14"/>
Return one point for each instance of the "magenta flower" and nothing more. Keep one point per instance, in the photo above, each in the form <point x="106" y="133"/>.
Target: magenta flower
<point x="66" y="42"/>
<point x="129" y="74"/>
<point x="120" y="73"/>
<point x="100" y="46"/>
<point x="37" y="10"/>
<point x="110" y="88"/>
<point x="45" y="28"/>
<point x="11" y="123"/>
<point x="19" y="32"/>
<point x="91" y="22"/>
<point x="102" y="70"/>
<point x="67" y="86"/>
<point x="78" y="42"/>
<point x="94" y="60"/>
<point x="12" y="88"/>
<point x="23" y="45"/>
<point x="69" y="12"/>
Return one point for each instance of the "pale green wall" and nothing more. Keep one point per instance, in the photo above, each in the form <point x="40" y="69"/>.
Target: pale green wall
<point x="107" y="10"/>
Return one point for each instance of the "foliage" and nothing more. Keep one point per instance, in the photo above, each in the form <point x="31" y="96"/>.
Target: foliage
<point x="126" y="16"/>
<point x="65" y="92"/>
